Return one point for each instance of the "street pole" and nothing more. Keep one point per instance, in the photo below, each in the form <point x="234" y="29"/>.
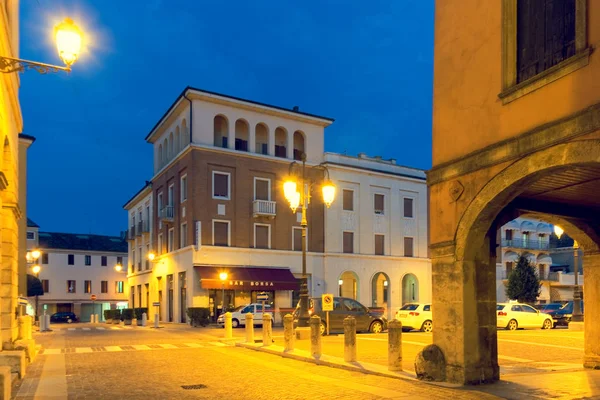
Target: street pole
<point x="37" y="297"/>
<point x="223" y="297"/>
<point x="304" y="318"/>
<point x="577" y="315"/>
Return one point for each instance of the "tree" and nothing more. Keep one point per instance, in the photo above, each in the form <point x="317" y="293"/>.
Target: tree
<point x="523" y="282"/>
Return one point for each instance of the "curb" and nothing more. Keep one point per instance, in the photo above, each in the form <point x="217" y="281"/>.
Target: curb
<point x="329" y="361"/>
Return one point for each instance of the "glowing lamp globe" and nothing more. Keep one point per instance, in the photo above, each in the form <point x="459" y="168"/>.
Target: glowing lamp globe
<point x="289" y="188"/>
<point x="68" y="41"/>
<point x="328" y="193"/>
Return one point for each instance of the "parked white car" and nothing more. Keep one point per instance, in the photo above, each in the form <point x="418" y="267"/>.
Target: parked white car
<point x="238" y="315"/>
<point x="415" y="316"/>
<point x="514" y="315"/>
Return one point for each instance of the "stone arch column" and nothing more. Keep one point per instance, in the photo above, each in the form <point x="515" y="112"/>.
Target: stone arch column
<point x="591" y="301"/>
<point x="463" y="269"/>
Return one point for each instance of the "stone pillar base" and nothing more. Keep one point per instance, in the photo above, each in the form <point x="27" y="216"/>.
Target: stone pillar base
<point x="576" y="326"/>
<point x="16" y="360"/>
<point x="303" y="333"/>
<point x="5" y="382"/>
<point x="592" y="362"/>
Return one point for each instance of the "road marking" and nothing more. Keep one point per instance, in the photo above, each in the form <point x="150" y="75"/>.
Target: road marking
<point x="101" y="329"/>
<point x="517" y="359"/>
<point x="541" y="344"/>
<point x="71" y="329"/>
<point x="140" y="347"/>
<point x="83" y="350"/>
<point x="113" y="348"/>
<point x="168" y="346"/>
<point x="86" y="329"/>
<point x="194" y="345"/>
<point x="52" y="351"/>
<point x="218" y="344"/>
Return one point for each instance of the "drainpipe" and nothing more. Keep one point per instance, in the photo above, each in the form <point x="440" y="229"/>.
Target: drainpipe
<point x="191" y="117"/>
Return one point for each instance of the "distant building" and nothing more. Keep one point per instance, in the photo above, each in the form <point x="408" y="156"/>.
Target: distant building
<point x="76" y="266"/>
<point x="216" y="204"/>
<point x="534" y="239"/>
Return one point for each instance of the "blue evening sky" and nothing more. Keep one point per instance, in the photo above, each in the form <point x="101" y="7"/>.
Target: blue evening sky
<point x="367" y="64"/>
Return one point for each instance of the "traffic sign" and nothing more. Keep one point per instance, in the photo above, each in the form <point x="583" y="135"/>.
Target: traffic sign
<point x="156" y="304"/>
<point x="93" y="297"/>
<point x="327" y="302"/>
<point x="23" y="301"/>
<point x="262" y="297"/>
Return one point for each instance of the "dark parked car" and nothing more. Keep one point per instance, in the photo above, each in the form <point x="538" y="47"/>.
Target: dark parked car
<point x="64" y="317"/>
<point x="366" y="320"/>
<point x="550" y="307"/>
<point x="562" y="317"/>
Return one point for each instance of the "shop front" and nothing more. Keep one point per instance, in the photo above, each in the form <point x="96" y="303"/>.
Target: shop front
<point x="242" y="284"/>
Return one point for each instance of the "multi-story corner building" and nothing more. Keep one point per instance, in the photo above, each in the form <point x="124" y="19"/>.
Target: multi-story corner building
<point x="376" y="232"/>
<point x="217" y="205"/>
<point x="531" y="238"/>
<point x="76" y="266"/>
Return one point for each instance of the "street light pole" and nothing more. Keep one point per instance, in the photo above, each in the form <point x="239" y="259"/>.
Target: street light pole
<point x="301" y="199"/>
<point x="223" y="278"/>
<point x="577" y="314"/>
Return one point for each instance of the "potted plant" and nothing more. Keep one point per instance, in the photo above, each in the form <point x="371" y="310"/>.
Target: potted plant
<point x="116" y="317"/>
<point x="108" y="316"/>
<point x="127" y="315"/>
<point x="199" y="316"/>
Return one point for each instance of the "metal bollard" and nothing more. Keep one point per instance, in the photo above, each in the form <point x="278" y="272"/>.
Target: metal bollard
<point x="315" y="336"/>
<point x="46" y="322"/>
<point x="349" y="339"/>
<point x="144" y="319"/>
<point x="395" y="345"/>
<point x="228" y="326"/>
<point x="249" y="328"/>
<point x="267" y="329"/>
<point x="156" y="320"/>
<point x="288" y="332"/>
<point x="42" y="323"/>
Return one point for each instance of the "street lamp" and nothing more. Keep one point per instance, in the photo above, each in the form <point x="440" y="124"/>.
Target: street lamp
<point x="223" y="278"/>
<point x="577" y="315"/>
<point x="558" y="231"/>
<point x="151" y="256"/>
<point x="301" y="199"/>
<point x="68" y="42"/>
<point x="32" y="257"/>
<point x="118" y="267"/>
<point x="340" y="283"/>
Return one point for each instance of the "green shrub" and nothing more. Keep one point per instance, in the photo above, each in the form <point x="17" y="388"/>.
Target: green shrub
<point x="199" y="316"/>
<point x="108" y="314"/>
<point x="139" y="311"/>
<point x="127" y="314"/>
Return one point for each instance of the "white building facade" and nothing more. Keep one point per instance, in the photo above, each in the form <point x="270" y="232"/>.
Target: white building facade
<point x="217" y="205"/>
<point x="76" y="266"/>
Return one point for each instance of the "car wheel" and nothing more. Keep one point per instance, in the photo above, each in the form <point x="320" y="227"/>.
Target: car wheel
<point x="376" y="327"/>
<point x="322" y="328"/>
<point x="235" y="323"/>
<point x="547" y="324"/>
<point x="512" y="325"/>
<point x="427" y="326"/>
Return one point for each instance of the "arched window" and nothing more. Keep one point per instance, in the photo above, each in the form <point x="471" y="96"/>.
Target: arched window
<point x="410" y="289"/>
<point x="242" y="133"/>
<point x="159" y="159"/>
<point x="280" y="142"/>
<point x="165" y="150"/>
<point x="221" y="130"/>
<point x="171" y="151"/>
<point x="298" y="145"/>
<point x="185" y="135"/>
<point x="177" y="145"/>
<point x="262" y="139"/>
<point x="348" y="285"/>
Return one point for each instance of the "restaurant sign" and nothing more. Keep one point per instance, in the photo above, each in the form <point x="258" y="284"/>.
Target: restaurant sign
<point x="251" y="283"/>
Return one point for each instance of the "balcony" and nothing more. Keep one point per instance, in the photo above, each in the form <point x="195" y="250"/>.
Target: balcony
<point x="138" y="230"/>
<point x="166" y="214"/>
<point x="526" y="244"/>
<point x="131" y="233"/>
<point x="264" y="208"/>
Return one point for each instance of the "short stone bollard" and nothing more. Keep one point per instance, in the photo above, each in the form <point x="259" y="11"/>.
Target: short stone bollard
<point x="228" y="326"/>
<point x="46" y="322"/>
<point x="315" y="336"/>
<point x="267" y="329"/>
<point x="288" y="332"/>
<point x="25" y="327"/>
<point x="349" y="339"/>
<point x="249" y="328"/>
<point x="156" y="320"/>
<point x="395" y="346"/>
<point x="144" y="319"/>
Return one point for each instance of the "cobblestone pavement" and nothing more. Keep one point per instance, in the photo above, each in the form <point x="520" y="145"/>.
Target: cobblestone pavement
<point x="189" y="357"/>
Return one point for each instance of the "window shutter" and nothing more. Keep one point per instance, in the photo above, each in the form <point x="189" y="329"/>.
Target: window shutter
<point x="408" y="247"/>
<point x="379" y="203"/>
<point x="348" y="200"/>
<point x="348" y="242"/>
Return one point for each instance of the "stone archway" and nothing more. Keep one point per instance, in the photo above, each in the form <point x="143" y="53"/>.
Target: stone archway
<point x="464" y="299"/>
<point x="410" y="289"/>
<point x="348" y="285"/>
<point x="380" y="291"/>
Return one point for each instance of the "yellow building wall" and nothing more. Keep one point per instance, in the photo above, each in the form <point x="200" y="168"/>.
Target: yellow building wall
<point x="467" y="113"/>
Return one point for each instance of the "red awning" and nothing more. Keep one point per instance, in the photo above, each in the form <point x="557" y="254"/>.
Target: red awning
<point x="248" y="278"/>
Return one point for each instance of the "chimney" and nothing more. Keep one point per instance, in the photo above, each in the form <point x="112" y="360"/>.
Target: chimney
<point x="296" y="108"/>
<point x="362" y="155"/>
<point x="393" y="161"/>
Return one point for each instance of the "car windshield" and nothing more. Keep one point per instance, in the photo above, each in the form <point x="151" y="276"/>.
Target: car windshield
<point x="410" y="307"/>
<point x="238" y="308"/>
<point x="499" y="307"/>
